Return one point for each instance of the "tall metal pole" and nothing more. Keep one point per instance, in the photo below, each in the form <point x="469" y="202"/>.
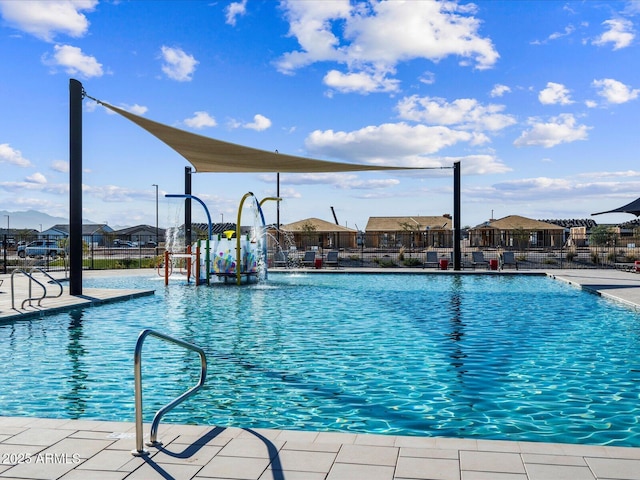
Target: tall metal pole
<point x="187" y="206"/>
<point x="457" y="237"/>
<point x="278" y="208"/>
<point x="76" y="94"/>
<point x="157" y="239"/>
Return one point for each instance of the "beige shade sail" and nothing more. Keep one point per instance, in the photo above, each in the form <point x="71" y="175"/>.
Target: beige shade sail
<point x="210" y="155"/>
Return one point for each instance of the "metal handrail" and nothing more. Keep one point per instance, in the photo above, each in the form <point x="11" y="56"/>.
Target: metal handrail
<point x="53" y="280"/>
<point x="137" y="369"/>
<point x="29" y="299"/>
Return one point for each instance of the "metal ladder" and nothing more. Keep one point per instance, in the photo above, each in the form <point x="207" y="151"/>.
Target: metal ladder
<point x="137" y="361"/>
<point x="32" y="279"/>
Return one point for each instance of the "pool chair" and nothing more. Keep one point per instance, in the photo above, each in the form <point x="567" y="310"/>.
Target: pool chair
<point x="280" y="259"/>
<point x="477" y="258"/>
<point x="332" y="259"/>
<point x="431" y="260"/>
<point x="508" y="258"/>
<point x="309" y="258"/>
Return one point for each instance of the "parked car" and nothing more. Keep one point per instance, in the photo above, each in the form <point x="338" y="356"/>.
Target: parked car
<point x="124" y="243"/>
<point x="41" y="248"/>
<point x="151" y="244"/>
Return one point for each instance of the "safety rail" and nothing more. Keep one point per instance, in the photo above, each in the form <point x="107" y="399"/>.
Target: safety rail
<point x="137" y="361"/>
<point x="32" y="279"/>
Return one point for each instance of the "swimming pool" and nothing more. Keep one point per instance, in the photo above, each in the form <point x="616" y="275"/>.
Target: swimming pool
<point x="493" y="357"/>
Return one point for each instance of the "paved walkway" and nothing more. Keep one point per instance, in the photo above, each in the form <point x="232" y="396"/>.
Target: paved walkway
<point x="35" y="448"/>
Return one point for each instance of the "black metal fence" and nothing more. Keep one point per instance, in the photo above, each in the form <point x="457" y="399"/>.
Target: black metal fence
<point x="364" y="250"/>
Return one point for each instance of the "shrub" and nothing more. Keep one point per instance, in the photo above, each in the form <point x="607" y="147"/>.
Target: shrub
<point x="412" y="262"/>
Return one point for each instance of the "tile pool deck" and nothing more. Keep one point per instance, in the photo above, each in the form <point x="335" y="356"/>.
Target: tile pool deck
<point x="38" y="448"/>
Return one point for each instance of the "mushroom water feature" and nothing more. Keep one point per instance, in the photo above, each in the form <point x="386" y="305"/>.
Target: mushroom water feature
<point x="230" y="255"/>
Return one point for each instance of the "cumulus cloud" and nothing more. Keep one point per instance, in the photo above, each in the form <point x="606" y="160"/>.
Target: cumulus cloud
<point x="61" y="166"/>
<point x="36" y="178"/>
<point x="614" y="91"/>
<point x="200" y="120"/>
<point x="378" y="35"/>
<point x="620" y="33"/>
<point x="341" y="180"/>
<point x="234" y="10"/>
<point x="260" y="122"/>
<point x="465" y="113"/>
<point x="555" y="94"/>
<point x="73" y="61"/>
<point x="45" y="19"/>
<point x="177" y="64"/>
<point x="560" y="129"/>
<point x="12" y="156"/>
<point x="499" y="90"/>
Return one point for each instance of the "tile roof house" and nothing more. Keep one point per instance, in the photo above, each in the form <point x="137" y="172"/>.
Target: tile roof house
<point x="517" y="232"/>
<point x="411" y="232"/>
<point x="314" y="232"/>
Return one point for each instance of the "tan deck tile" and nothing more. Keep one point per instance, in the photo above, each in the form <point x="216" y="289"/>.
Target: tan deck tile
<point x="343" y="471"/>
<point x="428" y="468"/>
<point x="623" y="452"/>
<point x="41" y="468"/>
<point x="373" y="439"/>
<point x="77" y="447"/>
<point x="230" y="467"/>
<point x="38" y="436"/>
<point x="491" y="462"/>
<point x="290" y="475"/>
<point x="368" y="455"/>
<point x="112" y="460"/>
<point x="196" y="455"/>
<point x="498" y="446"/>
<point x="95" y="475"/>
<point x="429" y="453"/>
<point x="537" y="471"/>
<point x="626" y="469"/>
<point x="553" y="459"/>
<point x="457" y="443"/>
<point x="259" y="432"/>
<point x="467" y="475"/>
<point x="333" y="437"/>
<point x="251" y="447"/>
<point x="312" y="447"/>
<point x="163" y="471"/>
<point x="300" y="461"/>
<point x="416" y="442"/>
<point x="297" y="436"/>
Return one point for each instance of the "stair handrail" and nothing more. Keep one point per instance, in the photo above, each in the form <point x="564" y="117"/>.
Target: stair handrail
<point x="53" y="280"/>
<point x="29" y="298"/>
<point x="137" y="369"/>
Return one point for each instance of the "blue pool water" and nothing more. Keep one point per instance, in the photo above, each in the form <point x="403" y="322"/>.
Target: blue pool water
<point x="493" y="357"/>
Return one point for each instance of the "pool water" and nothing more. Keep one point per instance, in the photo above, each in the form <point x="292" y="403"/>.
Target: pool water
<point x="474" y="356"/>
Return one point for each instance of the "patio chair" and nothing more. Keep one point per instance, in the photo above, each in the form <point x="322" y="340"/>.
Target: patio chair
<point x="309" y="258"/>
<point x="280" y="259"/>
<point x="477" y="258"/>
<point x="332" y="259"/>
<point x="508" y="258"/>
<point x="431" y="260"/>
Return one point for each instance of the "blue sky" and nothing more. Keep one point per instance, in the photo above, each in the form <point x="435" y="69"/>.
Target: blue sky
<point x="538" y="100"/>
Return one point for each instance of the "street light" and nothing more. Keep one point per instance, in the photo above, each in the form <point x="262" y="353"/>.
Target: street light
<point x="157" y="242"/>
<point x="7" y="224"/>
<point x="222" y="218"/>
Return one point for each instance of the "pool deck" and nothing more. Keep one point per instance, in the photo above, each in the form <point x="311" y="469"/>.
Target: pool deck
<point x="38" y="448"/>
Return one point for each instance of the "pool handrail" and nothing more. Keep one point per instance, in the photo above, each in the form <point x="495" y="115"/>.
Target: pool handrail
<point x="137" y="361"/>
<point x="29" y="297"/>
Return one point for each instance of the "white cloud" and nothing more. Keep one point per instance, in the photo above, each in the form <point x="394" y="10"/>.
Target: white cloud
<point x="362" y="82"/>
<point x="135" y="108"/>
<point x="12" y="156"/>
<point x="387" y="144"/>
<point x="499" y="90"/>
<point x="234" y="10"/>
<point x="200" y="120"/>
<point x="260" y="122"/>
<point x="561" y="129"/>
<point x="554" y="94"/>
<point x="614" y="91"/>
<point x="466" y="113"/>
<point x="620" y="33"/>
<point x="379" y="35"/>
<point x="37" y="178"/>
<point x="178" y="65"/>
<point x="44" y="19"/>
<point x="61" y="166"/>
<point x="73" y="61"/>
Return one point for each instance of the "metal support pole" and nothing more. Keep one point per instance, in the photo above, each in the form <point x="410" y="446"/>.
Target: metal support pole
<point x="457" y="256"/>
<point x="187" y="206"/>
<point x="278" y="208"/>
<point x="76" y="94"/>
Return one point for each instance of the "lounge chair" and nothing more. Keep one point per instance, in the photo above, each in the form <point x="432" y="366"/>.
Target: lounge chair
<point x="332" y="259"/>
<point x="477" y="258"/>
<point x="309" y="258"/>
<point x="431" y="260"/>
<point x="508" y="258"/>
<point x="280" y="259"/>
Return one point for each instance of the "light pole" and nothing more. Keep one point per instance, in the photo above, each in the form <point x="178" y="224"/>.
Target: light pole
<point x="7" y="224"/>
<point x="222" y="218"/>
<point x="157" y="242"/>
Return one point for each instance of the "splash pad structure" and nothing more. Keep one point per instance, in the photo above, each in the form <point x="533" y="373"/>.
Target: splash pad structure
<point x="225" y="258"/>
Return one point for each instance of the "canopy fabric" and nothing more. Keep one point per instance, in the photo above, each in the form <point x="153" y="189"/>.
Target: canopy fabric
<point x="632" y="208"/>
<point x="210" y="155"/>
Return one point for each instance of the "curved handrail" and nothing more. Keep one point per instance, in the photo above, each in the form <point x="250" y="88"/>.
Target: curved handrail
<point x="137" y="361"/>
<point x="29" y="299"/>
<point x="53" y="280"/>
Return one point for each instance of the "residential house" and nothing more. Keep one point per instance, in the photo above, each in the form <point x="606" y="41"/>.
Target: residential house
<point x="141" y="234"/>
<point x="94" y="233"/>
<point x="518" y="232"/>
<point x="316" y="233"/>
<point x="409" y="232"/>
